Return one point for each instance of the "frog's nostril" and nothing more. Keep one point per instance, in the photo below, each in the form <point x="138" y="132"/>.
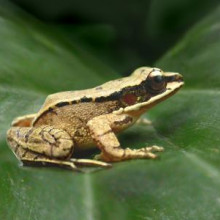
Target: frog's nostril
<point x="180" y="78"/>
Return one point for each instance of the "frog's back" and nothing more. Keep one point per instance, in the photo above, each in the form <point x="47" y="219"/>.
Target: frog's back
<point x="92" y="94"/>
<point x="103" y="90"/>
<point x="103" y="95"/>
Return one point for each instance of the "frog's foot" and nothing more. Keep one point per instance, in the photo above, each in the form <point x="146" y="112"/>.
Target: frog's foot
<point x="144" y="121"/>
<point x="88" y="162"/>
<point x="102" y="129"/>
<point x="148" y="152"/>
<point x="72" y="164"/>
<point x="128" y="154"/>
<point x="44" y="161"/>
<point x="153" y="148"/>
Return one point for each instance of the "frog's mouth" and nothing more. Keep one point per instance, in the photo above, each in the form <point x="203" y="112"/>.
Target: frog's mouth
<point x="174" y="83"/>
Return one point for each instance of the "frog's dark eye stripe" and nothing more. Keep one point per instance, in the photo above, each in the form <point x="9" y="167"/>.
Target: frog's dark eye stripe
<point x="170" y="78"/>
<point x="61" y="104"/>
<point x="115" y="96"/>
<point x="111" y="97"/>
<point x="174" y="78"/>
<point x="86" y="99"/>
<point x="74" y="102"/>
<point x="100" y="99"/>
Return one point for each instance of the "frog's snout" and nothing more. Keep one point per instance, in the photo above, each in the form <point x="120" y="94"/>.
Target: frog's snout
<point x="179" y="77"/>
<point x="173" y="77"/>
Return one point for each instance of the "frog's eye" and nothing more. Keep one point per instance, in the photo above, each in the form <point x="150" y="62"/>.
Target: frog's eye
<point x="156" y="82"/>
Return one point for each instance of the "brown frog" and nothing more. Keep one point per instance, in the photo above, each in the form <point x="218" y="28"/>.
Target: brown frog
<point x="77" y="120"/>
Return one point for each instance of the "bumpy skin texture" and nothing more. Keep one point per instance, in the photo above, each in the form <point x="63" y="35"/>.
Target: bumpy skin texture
<point x="74" y="121"/>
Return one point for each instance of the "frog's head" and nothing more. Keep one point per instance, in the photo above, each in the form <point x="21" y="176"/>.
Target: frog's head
<point x="152" y="86"/>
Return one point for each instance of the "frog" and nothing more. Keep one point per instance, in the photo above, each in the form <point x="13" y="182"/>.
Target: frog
<point x="74" y="121"/>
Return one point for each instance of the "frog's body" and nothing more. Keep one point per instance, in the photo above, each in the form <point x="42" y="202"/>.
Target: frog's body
<point x="76" y="120"/>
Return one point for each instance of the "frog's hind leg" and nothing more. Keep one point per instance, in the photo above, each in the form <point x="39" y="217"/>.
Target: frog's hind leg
<point x="23" y="121"/>
<point x="42" y="145"/>
<point x="45" y="146"/>
<point x="29" y="158"/>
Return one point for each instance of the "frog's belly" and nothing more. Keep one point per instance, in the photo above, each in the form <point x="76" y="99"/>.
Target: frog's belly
<point x="80" y="135"/>
<point x="85" y="146"/>
<point x="82" y="139"/>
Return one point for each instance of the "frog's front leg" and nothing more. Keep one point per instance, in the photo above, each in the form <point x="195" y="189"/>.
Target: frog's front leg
<point x="103" y="129"/>
<point x="45" y="146"/>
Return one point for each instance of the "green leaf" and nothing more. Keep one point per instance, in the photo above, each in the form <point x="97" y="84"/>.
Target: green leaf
<point x="197" y="55"/>
<point x="183" y="184"/>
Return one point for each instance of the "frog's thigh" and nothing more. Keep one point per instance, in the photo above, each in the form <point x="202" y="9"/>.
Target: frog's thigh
<point x="42" y="145"/>
<point x="102" y="130"/>
<point x="45" y="140"/>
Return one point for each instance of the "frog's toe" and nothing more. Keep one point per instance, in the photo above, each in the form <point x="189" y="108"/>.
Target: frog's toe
<point x="154" y="148"/>
<point x="151" y="155"/>
<point x="88" y="162"/>
<point x="97" y="157"/>
<point x="144" y="121"/>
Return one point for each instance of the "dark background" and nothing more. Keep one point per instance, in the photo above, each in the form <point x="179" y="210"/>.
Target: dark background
<point x="123" y="34"/>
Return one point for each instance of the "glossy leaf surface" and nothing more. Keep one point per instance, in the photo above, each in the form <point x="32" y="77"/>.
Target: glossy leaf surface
<point x="183" y="184"/>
